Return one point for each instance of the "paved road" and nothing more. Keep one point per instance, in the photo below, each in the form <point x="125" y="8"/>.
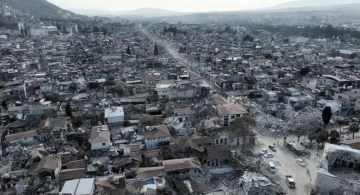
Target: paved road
<point x="175" y="55"/>
<point x="287" y="165"/>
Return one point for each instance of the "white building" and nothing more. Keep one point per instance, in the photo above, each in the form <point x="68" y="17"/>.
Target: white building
<point x="26" y="138"/>
<point x="228" y="113"/>
<point x="155" y="135"/>
<point x="100" y="138"/>
<point x="108" y="57"/>
<point x="114" y="115"/>
<point x="83" y="186"/>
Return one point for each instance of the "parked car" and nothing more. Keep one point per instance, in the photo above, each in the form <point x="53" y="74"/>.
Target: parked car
<point x="263" y="151"/>
<point x="268" y="155"/>
<point x="301" y="162"/>
<point x="225" y="183"/>
<point x="272" y="147"/>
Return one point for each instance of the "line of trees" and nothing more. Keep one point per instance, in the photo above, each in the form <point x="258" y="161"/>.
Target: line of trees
<point x="310" y="31"/>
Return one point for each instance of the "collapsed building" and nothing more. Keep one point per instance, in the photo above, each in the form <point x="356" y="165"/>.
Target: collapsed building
<point x="339" y="172"/>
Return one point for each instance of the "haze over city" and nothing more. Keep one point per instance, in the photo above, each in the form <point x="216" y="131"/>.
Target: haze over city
<point x="182" y="5"/>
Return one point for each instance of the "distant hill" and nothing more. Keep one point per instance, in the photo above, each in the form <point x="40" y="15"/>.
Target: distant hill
<point x="143" y="12"/>
<point x="315" y="3"/>
<point x="39" y="8"/>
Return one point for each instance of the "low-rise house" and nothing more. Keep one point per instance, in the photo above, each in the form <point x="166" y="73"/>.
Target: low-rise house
<point x="24" y="138"/>
<point x="54" y="129"/>
<point x="48" y="166"/>
<point x="155" y="136"/>
<point x="229" y="112"/>
<point x="353" y="143"/>
<point x="69" y="174"/>
<point x="114" y="116"/>
<point x="100" y="138"/>
<point x="82" y="186"/>
<point x="218" y="156"/>
<point x="183" y="168"/>
<point x="337" y="106"/>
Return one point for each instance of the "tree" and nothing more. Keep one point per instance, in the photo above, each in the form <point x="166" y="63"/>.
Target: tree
<point x="326" y="115"/>
<point x="281" y="74"/>
<point x="96" y="29"/>
<point x="248" y="38"/>
<point x="156" y="50"/>
<point x="26" y="31"/>
<point x="128" y="51"/>
<point x="209" y="60"/>
<point x="342" y="122"/>
<point x="354" y="128"/>
<point x="268" y="56"/>
<point x="22" y="31"/>
<point x="322" y="137"/>
<point x="334" y="135"/>
<point x="242" y="128"/>
<point x="68" y="110"/>
<point x="304" y="71"/>
<point x="286" y="40"/>
<point x="64" y="29"/>
<point x="109" y="81"/>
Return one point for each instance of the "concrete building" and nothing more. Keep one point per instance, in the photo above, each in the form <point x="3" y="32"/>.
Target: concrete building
<point x="228" y="113"/>
<point x="114" y="116"/>
<point x="108" y="57"/>
<point x="338" y="171"/>
<point x="100" y="138"/>
<point x="156" y="135"/>
<point x="83" y="186"/>
<point x="25" y="138"/>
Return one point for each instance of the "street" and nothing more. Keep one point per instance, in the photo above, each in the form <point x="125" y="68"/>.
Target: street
<point x="285" y="162"/>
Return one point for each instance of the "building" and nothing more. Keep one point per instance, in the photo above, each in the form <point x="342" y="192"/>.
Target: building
<point x="228" y="113"/>
<point x="109" y="57"/>
<point x="114" y="116"/>
<point x="25" y="138"/>
<point x="338" y="171"/>
<point x="100" y="138"/>
<point x="156" y="136"/>
<point x="183" y="168"/>
<point x="83" y="186"/>
<point x="48" y="166"/>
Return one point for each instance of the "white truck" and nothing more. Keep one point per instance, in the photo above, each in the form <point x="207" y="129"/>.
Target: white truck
<point x="290" y="181"/>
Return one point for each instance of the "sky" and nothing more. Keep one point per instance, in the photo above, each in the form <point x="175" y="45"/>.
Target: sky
<point x="173" y="5"/>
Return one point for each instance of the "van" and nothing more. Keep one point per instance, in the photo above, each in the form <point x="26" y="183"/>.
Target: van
<point x="272" y="167"/>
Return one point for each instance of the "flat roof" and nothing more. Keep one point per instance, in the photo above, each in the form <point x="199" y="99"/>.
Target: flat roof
<point x="78" y="186"/>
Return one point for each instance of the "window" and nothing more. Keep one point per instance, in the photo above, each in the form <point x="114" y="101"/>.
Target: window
<point x="231" y="140"/>
<point x="232" y="116"/>
<point x="238" y="115"/>
<point x="217" y="141"/>
<point x="103" y="144"/>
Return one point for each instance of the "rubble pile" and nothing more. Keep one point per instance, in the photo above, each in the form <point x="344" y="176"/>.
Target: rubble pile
<point x="282" y="118"/>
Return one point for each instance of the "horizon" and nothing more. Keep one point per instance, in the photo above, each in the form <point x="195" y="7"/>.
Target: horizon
<point x="96" y="6"/>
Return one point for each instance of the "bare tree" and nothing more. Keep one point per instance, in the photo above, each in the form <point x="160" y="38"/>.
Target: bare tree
<point x="242" y="127"/>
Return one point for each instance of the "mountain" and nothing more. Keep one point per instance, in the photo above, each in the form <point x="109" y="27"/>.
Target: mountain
<point x="313" y="3"/>
<point x="39" y="8"/>
<point x="143" y="12"/>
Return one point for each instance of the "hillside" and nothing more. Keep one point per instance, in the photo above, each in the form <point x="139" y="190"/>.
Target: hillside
<point x="317" y="3"/>
<point x="39" y="8"/>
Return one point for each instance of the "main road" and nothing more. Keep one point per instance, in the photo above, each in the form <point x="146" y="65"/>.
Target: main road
<point x="174" y="54"/>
